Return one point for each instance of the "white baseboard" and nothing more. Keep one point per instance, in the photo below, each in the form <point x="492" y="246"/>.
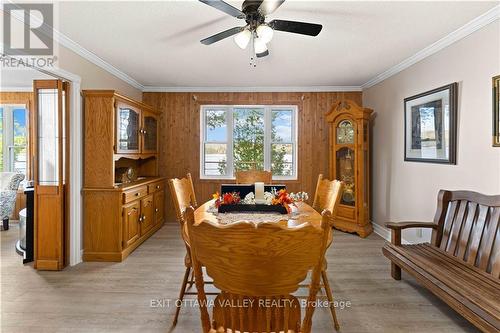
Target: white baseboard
<point x="386" y="233"/>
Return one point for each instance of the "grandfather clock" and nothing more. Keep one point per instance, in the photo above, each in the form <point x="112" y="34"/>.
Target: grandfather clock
<point x="349" y="162"/>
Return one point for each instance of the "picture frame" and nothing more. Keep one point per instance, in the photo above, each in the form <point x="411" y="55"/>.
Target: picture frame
<point x="496" y="110"/>
<point x="431" y="126"/>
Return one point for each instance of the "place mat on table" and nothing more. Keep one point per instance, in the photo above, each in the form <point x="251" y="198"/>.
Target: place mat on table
<point x="255" y="217"/>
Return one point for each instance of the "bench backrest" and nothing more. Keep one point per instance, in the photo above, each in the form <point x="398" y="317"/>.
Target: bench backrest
<point x="469" y="228"/>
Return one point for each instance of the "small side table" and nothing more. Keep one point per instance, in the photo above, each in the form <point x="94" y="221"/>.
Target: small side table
<point x="21" y="242"/>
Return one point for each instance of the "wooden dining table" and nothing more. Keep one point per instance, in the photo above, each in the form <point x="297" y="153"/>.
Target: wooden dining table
<point x="302" y="213"/>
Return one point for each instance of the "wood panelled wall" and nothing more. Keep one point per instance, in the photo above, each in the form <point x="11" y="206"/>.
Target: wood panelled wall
<point x="180" y="134"/>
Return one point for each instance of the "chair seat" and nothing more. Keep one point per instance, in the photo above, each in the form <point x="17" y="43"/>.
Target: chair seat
<point x="473" y="288"/>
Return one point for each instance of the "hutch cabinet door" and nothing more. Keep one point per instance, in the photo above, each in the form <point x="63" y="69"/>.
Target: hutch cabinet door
<point x="150" y="132"/>
<point x="128" y="122"/>
<point x="159" y="206"/>
<point x="147" y="214"/>
<point x="131" y="215"/>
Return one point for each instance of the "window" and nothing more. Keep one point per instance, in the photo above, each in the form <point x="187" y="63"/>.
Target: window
<point x="13" y="146"/>
<point x="248" y="137"/>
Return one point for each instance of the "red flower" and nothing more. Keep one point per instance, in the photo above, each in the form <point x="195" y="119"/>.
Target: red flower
<point x="284" y="199"/>
<point x="227" y="199"/>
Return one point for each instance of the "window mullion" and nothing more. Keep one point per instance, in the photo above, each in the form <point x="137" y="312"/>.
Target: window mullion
<point x="230" y="143"/>
<point x="267" y="138"/>
<point x="8" y="124"/>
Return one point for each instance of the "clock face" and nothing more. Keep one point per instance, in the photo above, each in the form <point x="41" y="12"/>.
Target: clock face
<point x="131" y="174"/>
<point x="345" y="132"/>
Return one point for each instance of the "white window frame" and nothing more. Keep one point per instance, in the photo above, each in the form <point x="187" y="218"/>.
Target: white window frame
<point x="267" y="138"/>
<point x="8" y="135"/>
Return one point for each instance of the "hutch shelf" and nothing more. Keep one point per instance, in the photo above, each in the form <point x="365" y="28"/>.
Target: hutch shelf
<point x="124" y="199"/>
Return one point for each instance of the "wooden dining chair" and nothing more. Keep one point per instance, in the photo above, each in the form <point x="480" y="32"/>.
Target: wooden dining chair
<point x="327" y="197"/>
<point x="252" y="176"/>
<point x="327" y="194"/>
<point x="258" y="268"/>
<point x="183" y="196"/>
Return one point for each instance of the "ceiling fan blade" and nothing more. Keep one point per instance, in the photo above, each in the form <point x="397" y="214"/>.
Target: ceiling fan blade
<point x="310" y="29"/>
<point x="269" y="6"/>
<point x="263" y="54"/>
<point x="225" y="7"/>
<point x="221" y="35"/>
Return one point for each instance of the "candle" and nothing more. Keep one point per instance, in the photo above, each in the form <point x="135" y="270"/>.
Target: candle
<point x="259" y="193"/>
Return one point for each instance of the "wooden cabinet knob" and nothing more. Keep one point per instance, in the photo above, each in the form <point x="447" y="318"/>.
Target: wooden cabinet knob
<point x="138" y="194"/>
<point x="157" y="210"/>
<point x="157" y="186"/>
<point x="144" y="218"/>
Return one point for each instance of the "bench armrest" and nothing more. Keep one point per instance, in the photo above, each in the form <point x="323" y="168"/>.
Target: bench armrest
<point x="406" y="225"/>
<point x="397" y="227"/>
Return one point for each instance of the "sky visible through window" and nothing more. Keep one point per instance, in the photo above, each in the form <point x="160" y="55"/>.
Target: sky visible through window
<point x="282" y="123"/>
<point x="16" y="135"/>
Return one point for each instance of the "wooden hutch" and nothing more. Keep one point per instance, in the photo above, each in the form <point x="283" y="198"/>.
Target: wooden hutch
<point x="350" y="163"/>
<point x="124" y="199"/>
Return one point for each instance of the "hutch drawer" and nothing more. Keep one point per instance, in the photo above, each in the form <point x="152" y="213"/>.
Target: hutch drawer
<point x="158" y="186"/>
<point x="135" y="194"/>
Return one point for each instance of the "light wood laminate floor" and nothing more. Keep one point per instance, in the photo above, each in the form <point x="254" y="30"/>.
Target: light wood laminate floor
<point x="117" y="297"/>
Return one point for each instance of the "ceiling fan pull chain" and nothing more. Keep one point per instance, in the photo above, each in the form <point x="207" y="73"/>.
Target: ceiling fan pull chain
<point x="253" y="56"/>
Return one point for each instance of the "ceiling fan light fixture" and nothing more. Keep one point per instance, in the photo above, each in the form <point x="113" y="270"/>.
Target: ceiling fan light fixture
<point x="265" y="32"/>
<point x="259" y="45"/>
<point x="243" y="38"/>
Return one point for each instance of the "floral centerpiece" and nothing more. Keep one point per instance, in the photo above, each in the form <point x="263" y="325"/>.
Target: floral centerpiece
<point x="275" y="201"/>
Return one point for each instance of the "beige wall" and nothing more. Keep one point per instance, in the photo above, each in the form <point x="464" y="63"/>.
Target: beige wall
<point x="93" y="76"/>
<point x="407" y="190"/>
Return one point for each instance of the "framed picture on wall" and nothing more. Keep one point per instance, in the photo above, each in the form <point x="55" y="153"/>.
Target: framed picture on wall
<point x="496" y="111"/>
<point x="431" y="126"/>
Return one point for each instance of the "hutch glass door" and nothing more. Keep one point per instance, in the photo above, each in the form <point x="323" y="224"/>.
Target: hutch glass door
<point x="150" y="132"/>
<point x="128" y="125"/>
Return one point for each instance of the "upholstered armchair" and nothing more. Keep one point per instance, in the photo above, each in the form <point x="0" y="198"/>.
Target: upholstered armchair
<point x="9" y="183"/>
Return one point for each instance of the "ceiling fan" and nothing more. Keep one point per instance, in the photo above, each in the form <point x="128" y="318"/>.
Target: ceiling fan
<point x="259" y="31"/>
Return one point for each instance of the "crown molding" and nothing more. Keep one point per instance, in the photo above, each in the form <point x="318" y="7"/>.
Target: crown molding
<point x="462" y="32"/>
<point x="95" y="59"/>
<point x="253" y="89"/>
<point x="67" y="42"/>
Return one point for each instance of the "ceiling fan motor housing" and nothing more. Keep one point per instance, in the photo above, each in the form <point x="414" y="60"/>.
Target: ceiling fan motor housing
<point x="252" y="15"/>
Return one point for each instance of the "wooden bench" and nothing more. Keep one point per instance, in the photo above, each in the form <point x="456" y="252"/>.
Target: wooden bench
<point x="461" y="265"/>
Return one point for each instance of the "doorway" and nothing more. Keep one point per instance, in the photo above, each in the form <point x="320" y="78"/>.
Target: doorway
<point x="18" y="149"/>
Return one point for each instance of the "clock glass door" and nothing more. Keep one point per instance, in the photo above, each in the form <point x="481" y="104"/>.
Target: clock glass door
<point x="345" y="160"/>
<point x="345" y="173"/>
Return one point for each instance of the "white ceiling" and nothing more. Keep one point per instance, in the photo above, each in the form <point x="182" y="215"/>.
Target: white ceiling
<point x="157" y="43"/>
